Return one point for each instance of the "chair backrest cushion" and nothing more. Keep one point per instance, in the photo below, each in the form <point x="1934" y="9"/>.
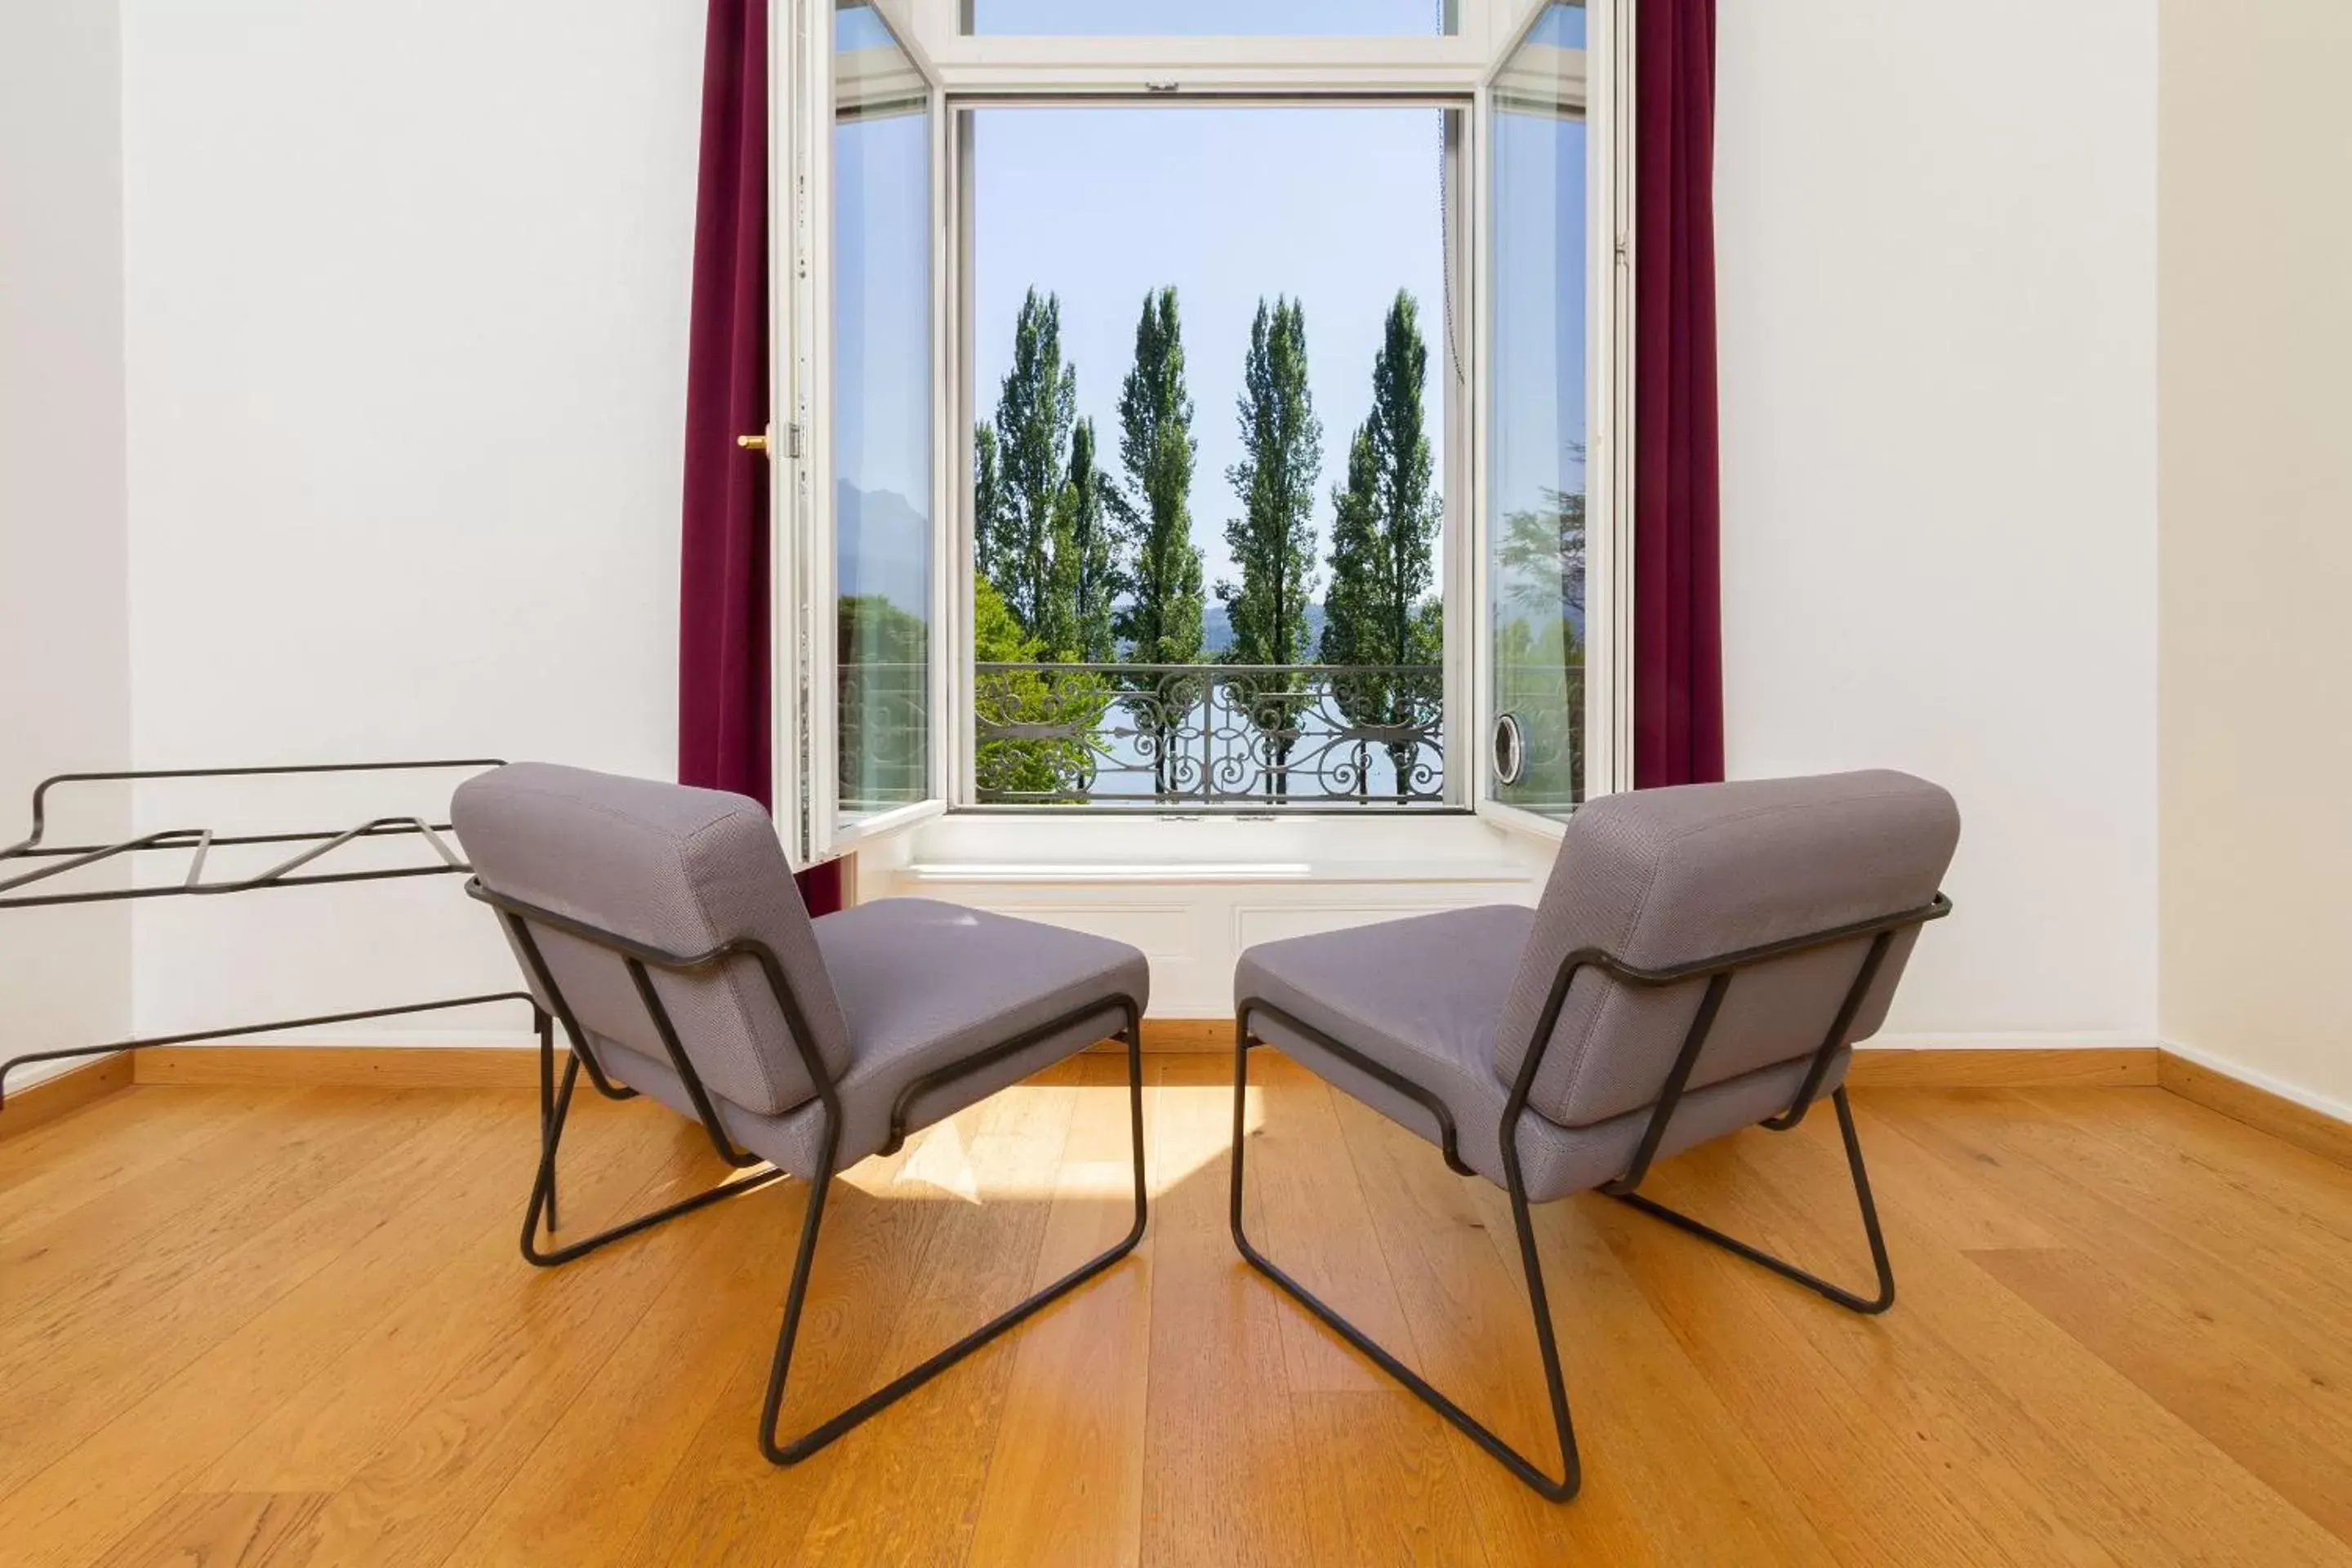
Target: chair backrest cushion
<point x="1659" y="878"/>
<point x="681" y="869"/>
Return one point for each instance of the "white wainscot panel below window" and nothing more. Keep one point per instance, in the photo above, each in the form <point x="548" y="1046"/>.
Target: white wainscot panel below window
<point x="1193" y="893"/>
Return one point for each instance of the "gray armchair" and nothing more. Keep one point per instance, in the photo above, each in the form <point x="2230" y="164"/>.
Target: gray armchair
<point x="1703" y="958"/>
<point x="660" y="926"/>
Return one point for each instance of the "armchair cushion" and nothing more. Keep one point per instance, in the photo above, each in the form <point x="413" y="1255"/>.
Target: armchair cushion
<point x="922" y="985"/>
<point x="1423" y="998"/>
<point x="1659" y="878"/>
<point x="681" y="869"/>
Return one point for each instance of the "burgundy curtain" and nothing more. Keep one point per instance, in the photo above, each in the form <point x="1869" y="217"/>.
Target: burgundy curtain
<point x="1677" y="607"/>
<point x="723" y="663"/>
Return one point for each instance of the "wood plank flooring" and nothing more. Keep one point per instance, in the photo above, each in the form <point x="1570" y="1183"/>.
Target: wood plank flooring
<point x="263" y="1325"/>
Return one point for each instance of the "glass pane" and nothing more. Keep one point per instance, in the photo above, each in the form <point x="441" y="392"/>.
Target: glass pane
<point x="882" y="412"/>
<point x="1210" y="455"/>
<point x="1212" y="19"/>
<point x="1536" y="429"/>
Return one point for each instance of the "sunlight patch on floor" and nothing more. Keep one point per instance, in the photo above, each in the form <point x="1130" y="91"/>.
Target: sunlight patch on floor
<point x="1186" y="1128"/>
<point x="941" y="1163"/>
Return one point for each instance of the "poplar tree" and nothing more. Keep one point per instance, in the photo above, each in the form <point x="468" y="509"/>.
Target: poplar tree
<point x="1076" y="617"/>
<point x="1351" y="604"/>
<point x="1272" y="541"/>
<point x="987" y="502"/>
<point x="1380" y="612"/>
<point x="1035" y="408"/>
<point x="1160" y="620"/>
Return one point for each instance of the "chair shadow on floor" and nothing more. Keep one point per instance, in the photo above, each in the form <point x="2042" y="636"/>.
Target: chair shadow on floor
<point x="290" y="1325"/>
<point x="1179" y="1393"/>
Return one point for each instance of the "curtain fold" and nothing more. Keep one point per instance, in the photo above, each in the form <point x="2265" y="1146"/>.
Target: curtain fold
<point x="1678" y="599"/>
<point x="723" y="659"/>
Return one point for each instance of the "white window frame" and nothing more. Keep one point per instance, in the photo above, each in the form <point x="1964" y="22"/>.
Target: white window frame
<point x="966" y="400"/>
<point x="1608" y="389"/>
<point x="1456" y="71"/>
<point x="805" y="679"/>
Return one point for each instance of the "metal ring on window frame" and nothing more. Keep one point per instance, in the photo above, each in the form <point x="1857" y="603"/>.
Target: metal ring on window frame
<point x="1510" y="749"/>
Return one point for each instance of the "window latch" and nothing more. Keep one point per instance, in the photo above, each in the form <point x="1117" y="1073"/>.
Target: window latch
<point x="761" y="443"/>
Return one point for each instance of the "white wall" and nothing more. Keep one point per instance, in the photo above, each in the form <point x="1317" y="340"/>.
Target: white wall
<point x="2256" y="495"/>
<point x="1935" y="281"/>
<point x="406" y="304"/>
<point x="1936" y="238"/>
<point x="407" y="299"/>
<point x="65" y="694"/>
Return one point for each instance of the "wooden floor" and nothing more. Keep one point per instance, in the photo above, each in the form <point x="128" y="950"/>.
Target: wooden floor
<point x="284" y="1325"/>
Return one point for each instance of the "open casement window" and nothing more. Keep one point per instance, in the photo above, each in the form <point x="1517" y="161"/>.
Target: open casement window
<point x="1553" y="497"/>
<point x="861" y="524"/>
<point x="872" y="365"/>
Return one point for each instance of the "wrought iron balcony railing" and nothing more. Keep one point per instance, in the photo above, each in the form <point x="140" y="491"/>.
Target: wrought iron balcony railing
<point x="1209" y="734"/>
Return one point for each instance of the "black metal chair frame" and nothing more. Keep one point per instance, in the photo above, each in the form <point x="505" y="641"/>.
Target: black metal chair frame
<point x="50" y="860"/>
<point x="1718" y="972"/>
<point x="555" y="1102"/>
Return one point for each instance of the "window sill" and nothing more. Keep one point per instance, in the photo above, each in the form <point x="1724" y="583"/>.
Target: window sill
<point x="1527" y="826"/>
<point x="964" y="849"/>
<point x="1127" y="873"/>
<point x="1194" y="894"/>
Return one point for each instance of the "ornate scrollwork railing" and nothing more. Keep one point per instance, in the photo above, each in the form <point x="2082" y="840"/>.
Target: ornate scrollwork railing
<point x="1209" y="734"/>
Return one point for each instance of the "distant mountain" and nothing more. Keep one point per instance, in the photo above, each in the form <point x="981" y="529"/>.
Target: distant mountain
<point x="886" y="547"/>
<point x="1217" y="631"/>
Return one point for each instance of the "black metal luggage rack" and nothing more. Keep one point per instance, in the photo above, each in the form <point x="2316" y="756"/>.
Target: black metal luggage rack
<point x="55" y="860"/>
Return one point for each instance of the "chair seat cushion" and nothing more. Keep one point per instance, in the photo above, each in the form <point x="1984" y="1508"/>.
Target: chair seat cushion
<point x="1423" y="998"/>
<point x="923" y="985"/>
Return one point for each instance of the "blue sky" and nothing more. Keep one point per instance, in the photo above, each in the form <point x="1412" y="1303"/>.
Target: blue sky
<point x="1338" y="207"/>
<point x="882" y="357"/>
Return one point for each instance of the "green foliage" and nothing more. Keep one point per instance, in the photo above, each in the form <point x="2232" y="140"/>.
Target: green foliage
<point x="1076" y="567"/>
<point x="1055" y="766"/>
<point x="1540" y="557"/>
<point x="987" y="496"/>
<point x="1076" y="617"/>
<point x="1007" y="767"/>
<point x="1538" y="657"/>
<point x="1282" y="445"/>
<point x="1041" y="502"/>
<point x="1160" y="622"/>
<point x="885" y="662"/>
<point x="1540" y="679"/>
<point x="1410" y="512"/>
<point x="996" y="636"/>
<point x="1034" y="410"/>
<point x="1380" y="610"/>
<point x="1351" y="605"/>
<point x="1274" y="540"/>
<point x="1427" y="643"/>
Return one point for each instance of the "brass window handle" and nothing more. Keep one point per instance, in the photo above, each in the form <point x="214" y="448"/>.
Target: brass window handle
<point x="752" y="443"/>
